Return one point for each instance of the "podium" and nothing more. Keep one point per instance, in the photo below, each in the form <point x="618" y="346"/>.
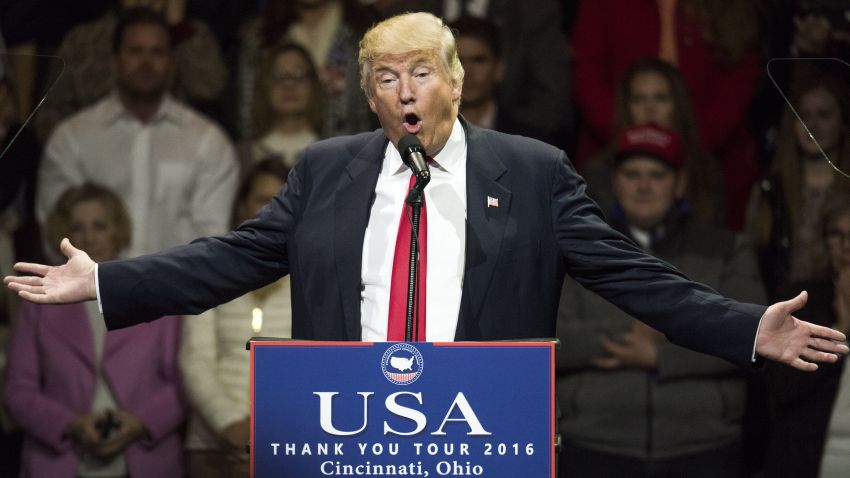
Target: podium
<point x="402" y="409"/>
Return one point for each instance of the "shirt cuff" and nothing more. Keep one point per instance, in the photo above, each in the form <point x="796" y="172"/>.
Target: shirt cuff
<point x="97" y="290"/>
<point x="754" y="357"/>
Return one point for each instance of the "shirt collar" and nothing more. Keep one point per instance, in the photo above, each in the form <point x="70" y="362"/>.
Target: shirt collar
<point x="450" y="159"/>
<point x="115" y="110"/>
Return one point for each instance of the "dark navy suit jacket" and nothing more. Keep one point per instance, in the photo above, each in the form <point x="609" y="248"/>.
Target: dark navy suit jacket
<point x="516" y="254"/>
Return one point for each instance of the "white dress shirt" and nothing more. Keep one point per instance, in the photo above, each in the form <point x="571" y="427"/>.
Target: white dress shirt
<point x="445" y="200"/>
<point x="176" y="173"/>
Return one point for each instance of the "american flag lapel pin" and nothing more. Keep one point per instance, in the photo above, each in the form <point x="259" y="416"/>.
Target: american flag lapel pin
<point x="492" y="202"/>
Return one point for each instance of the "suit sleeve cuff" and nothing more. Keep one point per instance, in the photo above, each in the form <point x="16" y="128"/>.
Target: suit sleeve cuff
<point x="97" y="287"/>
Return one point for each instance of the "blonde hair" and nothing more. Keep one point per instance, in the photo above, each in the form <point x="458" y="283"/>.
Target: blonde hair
<point x="59" y="219"/>
<point x="410" y="33"/>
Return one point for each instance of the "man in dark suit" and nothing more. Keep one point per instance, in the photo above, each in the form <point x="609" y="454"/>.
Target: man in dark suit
<point x="507" y="217"/>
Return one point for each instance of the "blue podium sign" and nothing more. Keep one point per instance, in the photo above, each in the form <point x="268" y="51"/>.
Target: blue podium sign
<point x="402" y="409"/>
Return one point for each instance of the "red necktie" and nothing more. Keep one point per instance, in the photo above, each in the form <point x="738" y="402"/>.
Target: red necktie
<point x="401" y="272"/>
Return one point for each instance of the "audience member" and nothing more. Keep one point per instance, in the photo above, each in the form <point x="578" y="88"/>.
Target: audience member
<point x="652" y="91"/>
<point x="215" y="364"/>
<point x="802" y="404"/>
<point x="534" y="94"/>
<point x="836" y="218"/>
<point x="17" y="178"/>
<point x="633" y="404"/>
<point x="330" y="31"/>
<point x="288" y="107"/>
<point x="712" y="43"/>
<point x="173" y="168"/>
<point x="18" y="60"/>
<point x="821" y="29"/>
<point x="93" y="403"/>
<point x="19" y="237"/>
<point x="479" y="51"/>
<point x="783" y="210"/>
<point x="199" y="74"/>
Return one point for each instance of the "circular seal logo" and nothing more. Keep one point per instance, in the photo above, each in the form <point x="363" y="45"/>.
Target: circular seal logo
<point x="402" y="364"/>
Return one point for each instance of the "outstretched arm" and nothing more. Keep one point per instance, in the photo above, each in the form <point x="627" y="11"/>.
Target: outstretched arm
<point x="784" y="338"/>
<point x="71" y="282"/>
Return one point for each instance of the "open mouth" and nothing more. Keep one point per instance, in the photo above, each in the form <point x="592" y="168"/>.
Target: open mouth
<point x="412" y="123"/>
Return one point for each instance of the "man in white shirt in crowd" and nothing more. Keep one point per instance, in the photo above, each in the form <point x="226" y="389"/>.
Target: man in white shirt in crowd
<point x="174" y="169"/>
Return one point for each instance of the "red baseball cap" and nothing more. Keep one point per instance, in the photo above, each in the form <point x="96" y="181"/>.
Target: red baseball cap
<point x="651" y="140"/>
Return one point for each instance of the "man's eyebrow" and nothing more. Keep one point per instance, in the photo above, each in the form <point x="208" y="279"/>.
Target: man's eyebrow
<point x="381" y="68"/>
<point x="422" y="61"/>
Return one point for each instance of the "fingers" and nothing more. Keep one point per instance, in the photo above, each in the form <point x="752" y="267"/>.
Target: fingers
<point x="828" y="345"/>
<point x="37" y="298"/>
<point x="819" y="350"/>
<point x="812" y="355"/>
<point x="14" y="281"/>
<point x="607" y="363"/>
<point x="834" y="337"/>
<point x="32" y="268"/>
<point x="611" y="346"/>
<point x="32" y="289"/>
<point x="801" y="364"/>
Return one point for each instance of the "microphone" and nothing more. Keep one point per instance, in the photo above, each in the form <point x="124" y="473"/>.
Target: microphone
<point x="413" y="155"/>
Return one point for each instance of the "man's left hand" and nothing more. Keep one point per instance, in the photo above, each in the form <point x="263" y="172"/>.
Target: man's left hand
<point x="786" y="339"/>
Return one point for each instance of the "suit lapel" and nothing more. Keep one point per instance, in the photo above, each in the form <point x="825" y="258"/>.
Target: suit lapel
<point x="352" y="205"/>
<point x="488" y="201"/>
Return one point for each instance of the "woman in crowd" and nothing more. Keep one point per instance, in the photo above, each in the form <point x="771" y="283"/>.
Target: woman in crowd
<point x="801" y="404"/>
<point x="288" y="114"/>
<point x="784" y="207"/>
<point x="215" y="364"/>
<point x="715" y="47"/>
<point x="652" y="92"/>
<point x="93" y="403"/>
<point x="330" y="30"/>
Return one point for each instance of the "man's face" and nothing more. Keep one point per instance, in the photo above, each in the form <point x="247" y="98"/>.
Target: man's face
<point x="412" y="95"/>
<point x="483" y="71"/>
<point x="290" y="85"/>
<point x="143" y="62"/>
<point x="646" y="188"/>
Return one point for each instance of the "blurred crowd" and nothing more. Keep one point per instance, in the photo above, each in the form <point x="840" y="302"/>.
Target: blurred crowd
<point x="716" y="135"/>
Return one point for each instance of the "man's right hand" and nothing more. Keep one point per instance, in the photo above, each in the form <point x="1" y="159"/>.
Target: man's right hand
<point x="71" y="282"/>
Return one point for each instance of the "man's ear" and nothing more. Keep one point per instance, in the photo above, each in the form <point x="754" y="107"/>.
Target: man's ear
<point x="370" y="98"/>
<point x="457" y="89"/>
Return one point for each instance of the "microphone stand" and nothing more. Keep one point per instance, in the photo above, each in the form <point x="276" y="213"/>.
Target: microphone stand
<point x="415" y="198"/>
